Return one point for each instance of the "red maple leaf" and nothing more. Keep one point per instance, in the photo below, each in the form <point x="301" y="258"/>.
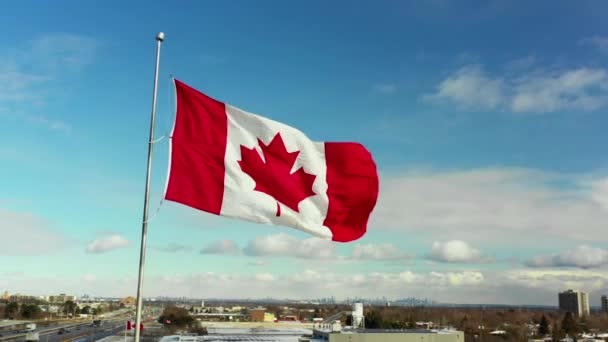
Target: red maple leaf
<point x="274" y="177"/>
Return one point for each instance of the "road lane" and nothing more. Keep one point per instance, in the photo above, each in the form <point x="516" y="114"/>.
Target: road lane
<point x="83" y="331"/>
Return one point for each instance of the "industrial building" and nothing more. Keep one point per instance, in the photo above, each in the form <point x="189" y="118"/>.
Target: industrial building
<point x="331" y="330"/>
<point x="389" y="335"/>
<point x="574" y="301"/>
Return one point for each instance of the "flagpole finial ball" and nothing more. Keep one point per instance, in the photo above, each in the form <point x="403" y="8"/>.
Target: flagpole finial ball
<point x="160" y="36"/>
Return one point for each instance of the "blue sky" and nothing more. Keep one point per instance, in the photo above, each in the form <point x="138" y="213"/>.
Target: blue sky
<point x="486" y="120"/>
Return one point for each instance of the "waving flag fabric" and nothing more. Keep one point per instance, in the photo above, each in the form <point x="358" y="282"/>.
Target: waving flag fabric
<point x="232" y="163"/>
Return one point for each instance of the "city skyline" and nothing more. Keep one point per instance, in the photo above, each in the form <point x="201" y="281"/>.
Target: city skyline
<point x="489" y="144"/>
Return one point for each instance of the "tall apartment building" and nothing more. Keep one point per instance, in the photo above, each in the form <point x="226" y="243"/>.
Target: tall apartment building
<point x="605" y="304"/>
<point x="574" y="301"/>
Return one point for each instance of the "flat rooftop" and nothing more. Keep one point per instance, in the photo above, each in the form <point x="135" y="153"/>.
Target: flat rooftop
<point x="395" y="331"/>
<point x="243" y="334"/>
<point x="327" y="332"/>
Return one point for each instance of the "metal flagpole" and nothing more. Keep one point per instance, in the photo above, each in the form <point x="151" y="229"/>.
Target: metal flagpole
<point x="160" y="37"/>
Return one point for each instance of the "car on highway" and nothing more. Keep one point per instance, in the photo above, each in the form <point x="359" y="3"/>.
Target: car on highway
<point x="61" y="331"/>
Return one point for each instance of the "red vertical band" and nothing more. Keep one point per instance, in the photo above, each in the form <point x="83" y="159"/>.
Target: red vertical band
<point x="198" y="146"/>
<point x="352" y="183"/>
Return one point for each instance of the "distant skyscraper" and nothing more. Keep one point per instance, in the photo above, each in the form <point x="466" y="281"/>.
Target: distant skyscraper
<point x="574" y="301"/>
<point x="605" y="304"/>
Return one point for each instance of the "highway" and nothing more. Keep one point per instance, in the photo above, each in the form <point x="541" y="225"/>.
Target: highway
<point x="77" y="332"/>
<point x="84" y="333"/>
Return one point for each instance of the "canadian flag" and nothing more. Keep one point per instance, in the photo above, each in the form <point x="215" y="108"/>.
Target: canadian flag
<point x="228" y="162"/>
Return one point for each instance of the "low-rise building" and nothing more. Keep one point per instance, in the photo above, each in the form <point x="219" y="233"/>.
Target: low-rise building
<point x="257" y="314"/>
<point x="388" y="335"/>
<point x="61" y="298"/>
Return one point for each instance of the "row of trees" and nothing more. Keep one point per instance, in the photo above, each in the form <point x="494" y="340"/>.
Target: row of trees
<point x="27" y="311"/>
<point x="518" y="324"/>
<point x="569" y="325"/>
<point x="15" y="310"/>
<point x="71" y="308"/>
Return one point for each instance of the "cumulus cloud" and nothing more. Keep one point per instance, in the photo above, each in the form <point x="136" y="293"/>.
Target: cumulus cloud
<point x="221" y="247"/>
<point x="383" y="251"/>
<point x="283" y="245"/>
<point x="582" y="256"/>
<point x="539" y="91"/>
<point x="470" y="87"/>
<point x="493" y="203"/>
<point x="579" y="89"/>
<point x="107" y="244"/>
<point x="454" y="251"/>
<point x="28" y="234"/>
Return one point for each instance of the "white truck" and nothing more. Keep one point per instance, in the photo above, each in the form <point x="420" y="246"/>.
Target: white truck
<point x="30" y="326"/>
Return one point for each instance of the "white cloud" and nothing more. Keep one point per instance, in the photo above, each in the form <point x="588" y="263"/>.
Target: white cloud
<point x="385" y="88"/>
<point x="599" y="191"/>
<point x="283" y="245"/>
<point x="54" y="125"/>
<point x="553" y="281"/>
<point x="582" y="256"/>
<point x="173" y="247"/>
<point x="454" y="251"/>
<point x="60" y="52"/>
<point x="470" y="87"/>
<point x="540" y="91"/>
<point x="108" y="243"/>
<point x="525" y="286"/>
<point x="493" y="204"/>
<point x="31" y="72"/>
<point x="383" y="251"/>
<point x="465" y="278"/>
<point x="16" y="83"/>
<point x="598" y="42"/>
<point x="265" y="277"/>
<point x="579" y="89"/>
<point x="221" y="247"/>
<point x="26" y="234"/>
